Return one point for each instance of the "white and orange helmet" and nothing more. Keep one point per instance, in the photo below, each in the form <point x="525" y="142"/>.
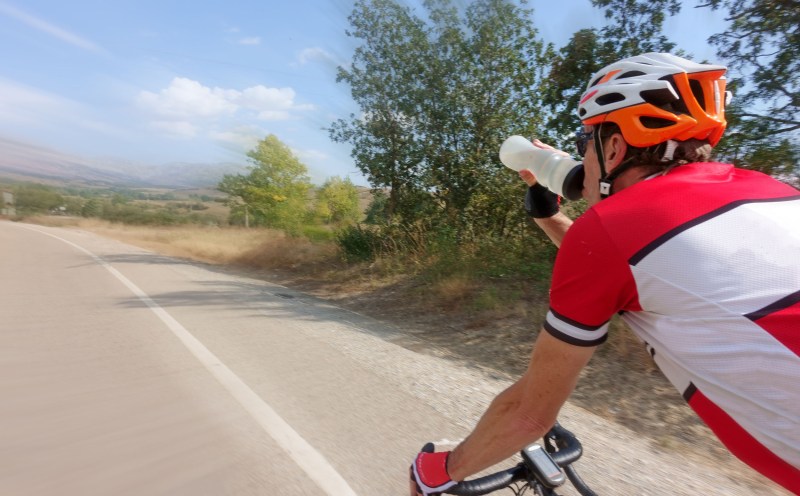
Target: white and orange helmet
<point x="657" y="97"/>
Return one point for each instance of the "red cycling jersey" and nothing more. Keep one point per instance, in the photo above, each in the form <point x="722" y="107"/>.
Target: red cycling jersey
<point x="703" y="263"/>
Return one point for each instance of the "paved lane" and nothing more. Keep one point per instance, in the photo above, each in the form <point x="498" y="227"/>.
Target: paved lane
<point x="100" y="397"/>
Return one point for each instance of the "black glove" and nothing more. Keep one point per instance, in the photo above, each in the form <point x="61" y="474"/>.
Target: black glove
<point x="540" y="202"/>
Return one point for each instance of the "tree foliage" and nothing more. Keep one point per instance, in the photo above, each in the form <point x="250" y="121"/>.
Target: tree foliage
<point x="36" y="198"/>
<point x="337" y="201"/>
<point x="762" y="50"/>
<point x="275" y="191"/>
<point x="438" y="95"/>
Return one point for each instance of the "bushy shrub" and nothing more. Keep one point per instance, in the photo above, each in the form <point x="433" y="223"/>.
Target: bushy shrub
<point x="358" y="243"/>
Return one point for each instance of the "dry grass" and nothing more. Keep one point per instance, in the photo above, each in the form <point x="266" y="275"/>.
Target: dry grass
<point x="252" y="248"/>
<point x="450" y="293"/>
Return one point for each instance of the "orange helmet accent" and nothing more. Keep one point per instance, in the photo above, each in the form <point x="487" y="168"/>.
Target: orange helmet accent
<point x="657" y="97"/>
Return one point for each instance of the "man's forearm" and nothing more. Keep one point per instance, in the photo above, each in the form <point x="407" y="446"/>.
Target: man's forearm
<point x="500" y="434"/>
<point x="525" y="411"/>
<point x="555" y="227"/>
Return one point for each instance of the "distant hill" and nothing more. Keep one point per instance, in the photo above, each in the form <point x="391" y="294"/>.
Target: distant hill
<point x="26" y="162"/>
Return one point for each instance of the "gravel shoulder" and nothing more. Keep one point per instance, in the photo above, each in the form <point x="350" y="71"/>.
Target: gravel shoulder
<point x="639" y="415"/>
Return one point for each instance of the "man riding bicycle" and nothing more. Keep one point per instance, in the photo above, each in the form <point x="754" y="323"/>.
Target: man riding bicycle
<point x="701" y="259"/>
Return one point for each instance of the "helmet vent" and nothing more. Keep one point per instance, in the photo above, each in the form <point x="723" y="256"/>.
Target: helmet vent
<point x="610" y="98"/>
<point x="697" y="91"/>
<point x="655" y="122"/>
<point x="658" y="97"/>
<point x="631" y="74"/>
<point x="596" y="81"/>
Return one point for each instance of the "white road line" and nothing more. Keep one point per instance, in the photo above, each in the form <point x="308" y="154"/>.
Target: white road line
<point x="309" y="459"/>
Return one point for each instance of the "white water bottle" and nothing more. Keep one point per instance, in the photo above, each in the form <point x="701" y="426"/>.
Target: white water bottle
<point x="559" y="173"/>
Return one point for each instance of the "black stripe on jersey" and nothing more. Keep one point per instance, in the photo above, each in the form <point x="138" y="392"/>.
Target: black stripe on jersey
<point x="575" y="323"/>
<point x="573" y="340"/>
<point x="687" y="395"/>
<point x="777" y="306"/>
<point x="638" y="256"/>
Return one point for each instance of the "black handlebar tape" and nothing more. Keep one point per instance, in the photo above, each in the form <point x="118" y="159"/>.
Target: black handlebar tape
<point x="569" y="448"/>
<point x="576" y="481"/>
<point x="488" y="484"/>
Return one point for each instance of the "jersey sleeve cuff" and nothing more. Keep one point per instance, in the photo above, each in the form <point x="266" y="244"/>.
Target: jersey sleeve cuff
<point x="573" y="332"/>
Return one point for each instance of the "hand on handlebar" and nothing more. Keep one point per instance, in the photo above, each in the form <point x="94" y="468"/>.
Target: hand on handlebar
<point x="429" y="473"/>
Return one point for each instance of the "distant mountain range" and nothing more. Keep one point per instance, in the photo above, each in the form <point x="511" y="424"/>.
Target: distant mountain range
<point x="26" y="162"/>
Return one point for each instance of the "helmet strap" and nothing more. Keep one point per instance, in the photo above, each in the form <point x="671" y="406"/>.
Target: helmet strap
<point x="669" y="150"/>
<point x="605" y="183"/>
<point x="607" y="178"/>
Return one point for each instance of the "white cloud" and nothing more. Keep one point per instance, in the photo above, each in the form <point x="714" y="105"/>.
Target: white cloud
<point x="262" y="98"/>
<point x="187" y="98"/>
<point x="186" y="109"/>
<point x="274" y="115"/>
<point x="15" y="99"/>
<point x="48" y="28"/>
<point x="252" y="40"/>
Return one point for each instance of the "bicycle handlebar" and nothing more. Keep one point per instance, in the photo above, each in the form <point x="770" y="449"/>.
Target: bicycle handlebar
<point x="566" y="451"/>
<point x="569" y="449"/>
<point x="490" y="483"/>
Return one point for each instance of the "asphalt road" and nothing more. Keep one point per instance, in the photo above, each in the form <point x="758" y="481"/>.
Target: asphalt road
<point x="123" y="372"/>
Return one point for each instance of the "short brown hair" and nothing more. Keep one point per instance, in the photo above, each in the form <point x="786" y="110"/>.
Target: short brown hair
<point x="693" y="150"/>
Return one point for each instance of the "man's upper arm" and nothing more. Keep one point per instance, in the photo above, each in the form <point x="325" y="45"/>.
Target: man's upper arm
<point x="591" y="282"/>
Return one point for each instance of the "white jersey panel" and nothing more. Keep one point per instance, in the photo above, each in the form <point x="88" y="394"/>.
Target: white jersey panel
<point x="698" y="314"/>
<point x="747" y="258"/>
<point x="739" y="373"/>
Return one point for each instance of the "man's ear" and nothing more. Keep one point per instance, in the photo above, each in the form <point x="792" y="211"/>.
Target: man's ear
<point x="615" y="149"/>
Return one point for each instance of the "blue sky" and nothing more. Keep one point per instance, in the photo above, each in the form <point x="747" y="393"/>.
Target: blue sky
<point x="153" y="82"/>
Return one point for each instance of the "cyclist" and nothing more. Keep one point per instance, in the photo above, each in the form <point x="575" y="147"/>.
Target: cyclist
<point x="701" y="259"/>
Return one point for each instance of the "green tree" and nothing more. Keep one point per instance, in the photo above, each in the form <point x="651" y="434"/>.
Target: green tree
<point x="635" y="26"/>
<point x="275" y="191"/>
<point x="762" y="49"/>
<point x="337" y="201"/>
<point x="437" y="97"/>
<point x="235" y="186"/>
<point x="384" y="80"/>
<point x="92" y="208"/>
<point x="376" y="210"/>
<point x="74" y="205"/>
<point x="36" y="198"/>
<point x="584" y="54"/>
